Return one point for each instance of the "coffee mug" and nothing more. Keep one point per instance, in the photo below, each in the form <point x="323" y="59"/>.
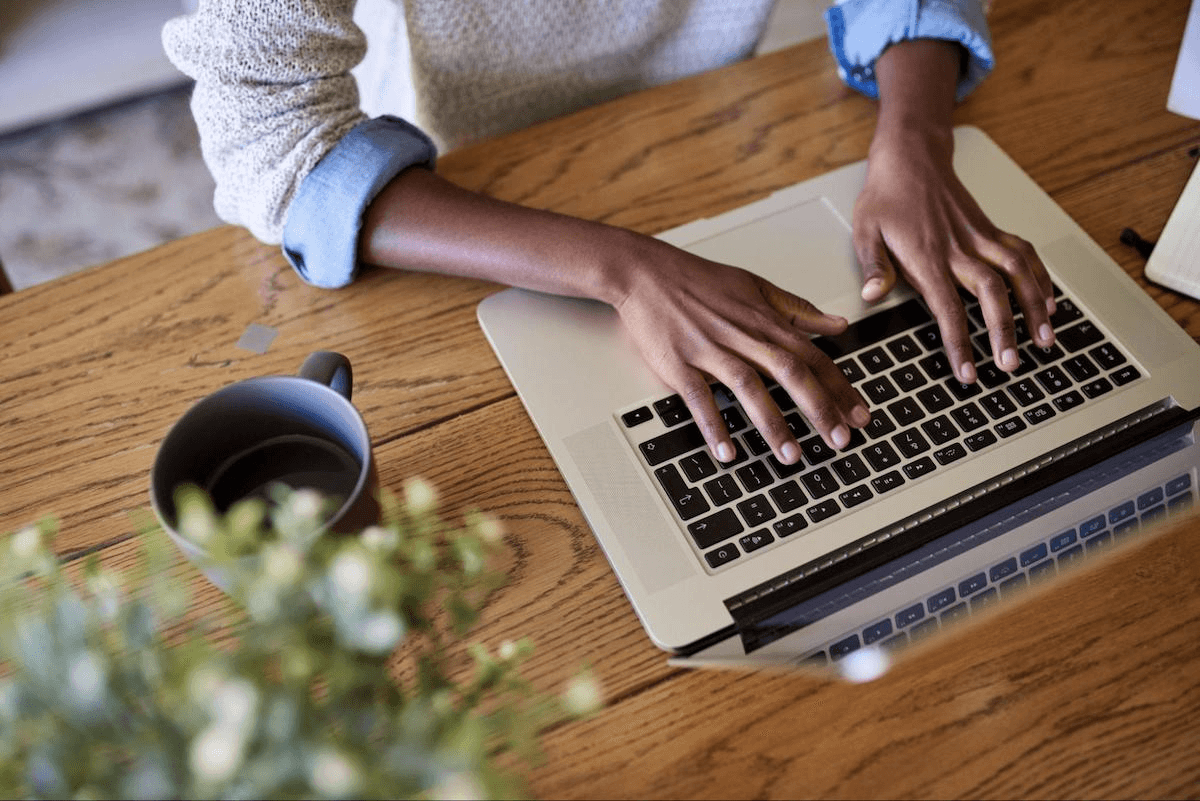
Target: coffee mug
<point x="300" y="431"/>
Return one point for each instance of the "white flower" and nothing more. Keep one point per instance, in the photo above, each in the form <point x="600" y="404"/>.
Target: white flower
<point x="107" y="592"/>
<point x="215" y="754"/>
<point x="306" y="504"/>
<point x="380" y="632"/>
<point x="197" y="523"/>
<point x="281" y="564"/>
<point x="202" y="683"/>
<point x="508" y="650"/>
<point x="457" y="786"/>
<point x="865" y="665"/>
<point x="378" y="538"/>
<point x="87" y="678"/>
<point x="235" y="704"/>
<point x="490" y="529"/>
<point x="352" y="573"/>
<point x="419" y="495"/>
<point x="26" y="543"/>
<point x="582" y="696"/>
<point x="332" y="774"/>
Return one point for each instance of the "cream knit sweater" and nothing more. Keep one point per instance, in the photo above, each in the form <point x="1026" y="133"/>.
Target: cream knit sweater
<point x="274" y="91"/>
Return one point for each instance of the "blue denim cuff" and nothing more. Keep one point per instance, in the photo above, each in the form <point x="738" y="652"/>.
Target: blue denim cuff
<point x="320" y="237"/>
<point x="860" y="30"/>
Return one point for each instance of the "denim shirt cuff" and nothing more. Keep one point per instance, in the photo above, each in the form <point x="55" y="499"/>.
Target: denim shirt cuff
<point x="320" y="237"/>
<point x="860" y="30"/>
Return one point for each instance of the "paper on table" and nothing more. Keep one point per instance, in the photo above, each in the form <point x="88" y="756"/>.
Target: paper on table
<point x="1175" y="260"/>
<point x="1185" y="85"/>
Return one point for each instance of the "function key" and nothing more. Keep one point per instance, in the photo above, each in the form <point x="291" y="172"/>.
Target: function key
<point x="903" y="348"/>
<point x="823" y="510"/>
<point x="972" y="585"/>
<point x="1107" y="356"/>
<point x="887" y="482"/>
<point x="1013" y="425"/>
<point x="636" y="417"/>
<point x="1179" y="483"/>
<point x="789" y="525"/>
<point x="672" y="410"/>
<point x="1068" y="401"/>
<point x="1122" y="512"/>
<point x="921" y="467"/>
<point x="1035" y="554"/>
<point x="755" y="540"/>
<point x="843" y="647"/>
<point x="1148" y="499"/>
<point x="1096" y="388"/>
<point x="1125" y="375"/>
<point x="1039" y="414"/>
<point x="722" y="556"/>
<point x="1060" y="541"/>
<point x="708" y="531"/>
<point x="950" y="453"/>
<point x="855" y="495"/>
<point x="941" y="600"/>
<point x="906" y="617"/>
<point x="1089" y="527"/>
<point x="1080" y="336"/>
<point x="877" y="632"/>
<point x="852" y="371"/>
<point x="1003" y="570"/>
<point x="977" y="442"/>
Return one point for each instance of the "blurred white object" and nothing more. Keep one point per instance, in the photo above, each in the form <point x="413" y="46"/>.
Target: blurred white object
<point x="1175" y="260"/>
<point x="1184" y="98"/>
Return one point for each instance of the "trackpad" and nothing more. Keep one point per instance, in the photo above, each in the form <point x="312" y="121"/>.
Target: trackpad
<point x="805" y="249"/>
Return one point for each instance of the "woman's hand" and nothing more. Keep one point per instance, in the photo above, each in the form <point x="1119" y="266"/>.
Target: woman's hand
<point x="696" y="321"/>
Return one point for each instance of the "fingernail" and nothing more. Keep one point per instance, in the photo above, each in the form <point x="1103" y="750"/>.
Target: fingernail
<point x="1009" y="358"/>
<point x="791" y="452"/>
<point x="860" y="416"/>
<point x="872" y="287"/>
<point x="841" y="437"/>
<point x="725" y="452"/>
<point x="966" y="372"/>
<point x="1046" y="332"/>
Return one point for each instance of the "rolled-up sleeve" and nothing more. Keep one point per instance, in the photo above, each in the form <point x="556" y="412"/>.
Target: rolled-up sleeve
<point x="860" y="30"/>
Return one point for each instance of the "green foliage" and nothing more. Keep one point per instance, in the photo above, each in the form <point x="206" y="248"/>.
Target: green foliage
<point x="110" y="688"/>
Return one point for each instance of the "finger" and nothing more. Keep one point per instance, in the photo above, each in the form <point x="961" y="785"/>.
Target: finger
<point x="808" y="390"/>
<point x="1030" y="283"/>
<point x="800" y="313"/>
<point x="878" y="271"/>
<point x="987" y="285"/>
<point x="947" y="308"/>
<point x="694" y="389"/>
<point x="745" y="383"/>
<point x="846" y="399"/>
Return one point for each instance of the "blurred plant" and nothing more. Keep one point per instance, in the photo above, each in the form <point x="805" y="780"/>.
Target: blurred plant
<point x="110" y="689"/>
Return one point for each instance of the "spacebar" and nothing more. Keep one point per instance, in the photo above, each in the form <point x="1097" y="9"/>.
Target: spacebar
<point x="874" y="329"/>
<point x="671" y="444"/>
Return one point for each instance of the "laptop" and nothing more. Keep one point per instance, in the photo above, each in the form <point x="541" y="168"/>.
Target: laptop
<point x="955" y="496"/>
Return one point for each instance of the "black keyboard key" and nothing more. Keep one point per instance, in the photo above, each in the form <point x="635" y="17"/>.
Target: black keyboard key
<point x="671" y="444"/>
<point x="855" y="495"/>
<point x="903" y="348"/>
<point x="755" y="442"/>
<point x="881" y="455"/>
<point x="672" y="410"/>
<point x="935" y="399"/>
<point x="906" y="617"/>
<point x="786" y="470"/>
<point x="856" y="439"/>
<point x="921" y="467"/>
<point x="734" y="422"/>
<point x="1125" y="375"/>
<point x="1039" y="414"/>
<point x="1070" y="555"/>
<point x="788" y="496"/>
<point x="819" y="482"/>
<point x="739" y="455"/>
<point x="1121" y="512"/>
<point x="1042" y="570"/>
<point x="1027" y="363"/>
<point x="997" y="405"/>
<point x="972" y="585"/>
<point x="1179" y="484"/>
<point x="782" y="399"/>
<point x="796" y="425"/>
<point x="887" y="482"/>
<point x="1096" y="388"/>
<point x="1068" y="401"/>
<point x="906" y="411"/>
<point x="722" y="490"/>
<point x="1107" y="356"/>
<point x="823" y="510"/>
<point x="908" y="378"/>
<point x="708" y="531"/>
<point x="875" y="360"/>
<point x="1079" y="336"/>
<point x="754" y="476"/>
<point x="990" y="375"/>
<point x="850" y="469"/>
<point x="1081" y="368"/>
<point x="756" y="511"/>
<point x="985" y="599"/>
<point x="1026" y="392"/>
<point x="969" y="417"/>
<point x="878" y="389"/>
<point x="1013" y="425"/>
<point x="636" y="417"/>
<point x="936" y="365"/>
<point x="950" y="453"/>
<point x="910" y="443"/>
<point x="755" y="540"/>
<point x="687" y="500"/>
<point x="1066" y="312"/>
<point x="789" y="525"/>
<point x="1053" y="380"/>
<point x="698" y="466"/>
<point x="1090" y="527"/>
<point x="816" y="451"/>
<point x="963" y="391"/>
<point x="1003" y="570"/>
<point x="722" y="555"/>
<point x="939" y="601"/>
<point x="929" y="336"/>
<point x="851" y="370"/>
<point x="1035" y="554"/>
<point x="1046" y="355"/>
<point x="880" y="424"/>
<point x="877" y="632"/>
<point x="874" y="329"/>
<point x="939" y="430"/>
<point x="977" y="442"/>
<point x="1060" y="541"/>
<point x="843" y="647"/>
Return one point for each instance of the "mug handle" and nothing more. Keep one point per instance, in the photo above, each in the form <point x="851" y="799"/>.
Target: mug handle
<point x="331" y="369"/>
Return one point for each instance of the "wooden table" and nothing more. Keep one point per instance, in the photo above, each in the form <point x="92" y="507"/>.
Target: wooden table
<point x="1089" y="689"/>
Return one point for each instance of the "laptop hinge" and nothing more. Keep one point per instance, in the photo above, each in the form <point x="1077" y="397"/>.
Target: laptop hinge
<point x="752" y="607"/>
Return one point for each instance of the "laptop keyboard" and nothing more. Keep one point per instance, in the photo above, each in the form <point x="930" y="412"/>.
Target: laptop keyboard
<point x="981" y="589"/>
<point x="922" y="420"/>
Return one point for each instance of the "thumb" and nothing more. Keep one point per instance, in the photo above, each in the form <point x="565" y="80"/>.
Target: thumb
<point x="800" y="313"/>
<point x="878" y="272"/>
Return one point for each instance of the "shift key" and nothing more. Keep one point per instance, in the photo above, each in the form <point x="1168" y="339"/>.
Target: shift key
<point x="671" y="444"/>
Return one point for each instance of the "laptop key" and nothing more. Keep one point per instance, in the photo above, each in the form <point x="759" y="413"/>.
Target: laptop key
<point x="1079" y="336"/>
<point x="940" y="600"/>
<point x="687" y="500"/>
<point x="1026" y="392"/>
<point x="1035" y="554"/>
<point x="755" y="540"/>
<point x="796" y="425"/>
<point x="816" y="451"/>
<point x="880" y="424"/>
<point x="787" y="496"/>
<point x="979" y="441"/>
<point x="1053" y="380"/>
<point x="936" y="366"/>
<point x="1070" y="555"/>
<point x="877" y="631"/>
<point x="843" y="647"/>
<point x="1091" y="526"/>
<point x="875" y="360"/>
<point x="906" y="617"/>
<point x="1096" y="388"/>
<point x="672" y="410"/>
<point x="969" y="417"/>
<point x="1060" y="541"/>
<point x="734" y="422"/>
<point x="935" y="399"/>
<point x="855" y="495"/>
<point x="1046" y="355"/>
<point x="819" y="482"/>
<point x="823" y="510"/>
<point x="850" y="468"/>
<point x="755" y="442"/>
<point x="1150" y="497"/>
<point x="985" y="599"/>
<point x="708" y="531"/>
<point x="997" y="405"/>
<point x="756" y="511"/>
<point x="939" y="430"/>
<point x="887" y="482"/>
<point x="906" y="411"/>
<point x="722" y="490"/>
<point x="878" y="389"/>
<point x="1013" y="425"/>
<point x="672" y="444"/>
<point x="782" y="399"/>
<point x="1003" y="570"/>
<point x="955" y="613"/>
<point x="881" y="455"/>
<point x="636" y="417"/>
<point x="1179" y="484"/>
<point x="908" y="378"/>
<point x="698" y="466"/>
<point x="972" y="585"/>
<point x="950" y="453"/>
<point x="851" y="370"/>
<point x="754" y="476"/>
<point x="1041" y="570"/>
<point x="963" y="391"/>
<point x="1107" y="356"/>
<point x="789" y="525"/>
<point x="910" y="443"/>
<point x="1068" y="401"/>
<point x="1125" y="375"/>
<point x="1012" y="586"/>
<point x="1039" y="414"/>
<point x="722" y="555"/>
<point x="1081" y="368"/>
<point x="903" y="348"/>
<point x="1065" y="312"/>
<point x="921" y="467"/>
<point x="929" y="336"/>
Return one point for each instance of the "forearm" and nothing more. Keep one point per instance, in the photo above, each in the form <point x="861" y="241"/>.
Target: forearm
<point x="423" y="222"/>
<point x="917" y="83"/>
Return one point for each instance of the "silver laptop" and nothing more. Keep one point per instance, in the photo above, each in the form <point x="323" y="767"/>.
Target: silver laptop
<point x="955" y="496"/>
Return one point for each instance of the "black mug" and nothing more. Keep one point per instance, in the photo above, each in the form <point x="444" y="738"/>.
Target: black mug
<point x="301" y="431"/>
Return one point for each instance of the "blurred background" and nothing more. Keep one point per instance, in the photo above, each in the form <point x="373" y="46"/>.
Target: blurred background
<point x="99" y="157"/>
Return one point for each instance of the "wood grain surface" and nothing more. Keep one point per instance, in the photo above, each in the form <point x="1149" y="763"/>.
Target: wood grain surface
<point x="1089" y="688"/>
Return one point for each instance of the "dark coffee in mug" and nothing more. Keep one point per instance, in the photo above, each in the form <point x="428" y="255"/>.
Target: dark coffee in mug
<point x="298" y="461"/>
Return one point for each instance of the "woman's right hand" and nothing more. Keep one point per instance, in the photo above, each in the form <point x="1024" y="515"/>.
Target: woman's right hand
<point x="696" y="321"/>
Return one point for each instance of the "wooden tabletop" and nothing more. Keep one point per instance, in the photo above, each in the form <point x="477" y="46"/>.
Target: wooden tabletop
<point x="1090" y="688"/>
